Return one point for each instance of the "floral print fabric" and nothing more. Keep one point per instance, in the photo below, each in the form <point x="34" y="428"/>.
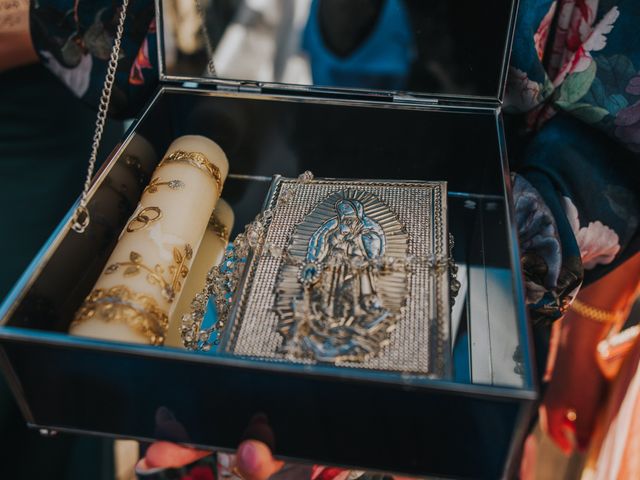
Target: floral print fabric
<point x="582" y="57"/>
<point x="575" y="80"/>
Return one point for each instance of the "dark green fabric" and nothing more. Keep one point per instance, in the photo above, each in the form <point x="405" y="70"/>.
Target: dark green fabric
<point x="45" y="137"/>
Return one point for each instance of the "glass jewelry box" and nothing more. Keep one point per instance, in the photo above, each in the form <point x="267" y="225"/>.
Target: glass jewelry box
<point x="439" y="120"/>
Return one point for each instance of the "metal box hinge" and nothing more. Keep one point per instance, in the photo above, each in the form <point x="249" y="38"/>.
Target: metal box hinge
<point x="412" y="99"/>
<point x="227" y="87"/>
<point x="239" y="88"/>
<point x="190" y="84"/>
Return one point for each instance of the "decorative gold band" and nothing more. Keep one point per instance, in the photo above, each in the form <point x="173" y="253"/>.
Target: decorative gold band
<point x="119" y="304"/>
<point x="596" y="314"/>
<point x="197" y="160"/>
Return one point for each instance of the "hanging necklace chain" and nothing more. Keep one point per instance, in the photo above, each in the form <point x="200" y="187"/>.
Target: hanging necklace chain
<point x="211" y="68"/>
<point x="81" y="218"/>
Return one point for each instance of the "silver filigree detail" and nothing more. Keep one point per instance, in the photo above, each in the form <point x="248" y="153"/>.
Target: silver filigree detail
<point x="222" y="281"/>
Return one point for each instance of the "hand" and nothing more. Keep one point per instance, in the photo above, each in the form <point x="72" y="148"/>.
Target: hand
<point x="254" y="460"/>
<point x="16" y="48"/>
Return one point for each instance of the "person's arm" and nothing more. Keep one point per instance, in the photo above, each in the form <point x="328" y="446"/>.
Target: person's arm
<point x="571" y="403"/>
<point x="16" y="48"/>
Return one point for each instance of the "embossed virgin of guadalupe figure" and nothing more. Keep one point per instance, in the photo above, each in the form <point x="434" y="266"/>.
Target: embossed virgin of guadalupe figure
<point x="339" y="298"/>
<point x="341" y="309"/>
<point x="345" y="245"/>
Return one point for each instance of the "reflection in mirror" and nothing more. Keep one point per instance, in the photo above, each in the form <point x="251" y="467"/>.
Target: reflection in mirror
<point x="398" y="45"/>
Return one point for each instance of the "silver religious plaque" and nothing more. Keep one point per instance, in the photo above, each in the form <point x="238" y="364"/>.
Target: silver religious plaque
<point x="348" y="272"/>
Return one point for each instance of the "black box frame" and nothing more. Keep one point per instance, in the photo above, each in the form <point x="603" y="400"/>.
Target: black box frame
<point x="467" y="426"/>
<point x="381" y="422"/>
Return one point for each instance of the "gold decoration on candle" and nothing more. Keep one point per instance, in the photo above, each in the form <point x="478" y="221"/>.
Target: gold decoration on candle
<point x="119" y="304"/>
<point x="180" y="270"/>
<point x="155" y="275"/>
<point x="220" y="229"/>
<point x="133" y="163"/>
<point x="145" y="218"/>
<point x="155" y="250"/>
<point x="198" y="160"/>
<point x="209" y="253"/>
<point x="157" y="182"/>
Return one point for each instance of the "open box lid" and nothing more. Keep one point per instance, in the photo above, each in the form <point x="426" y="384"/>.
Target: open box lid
<point x="411" y="49"/>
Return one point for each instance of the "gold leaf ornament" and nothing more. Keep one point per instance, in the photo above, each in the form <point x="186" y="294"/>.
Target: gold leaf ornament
<point x="131" y="271"/>
<point x="156" y="274"/>
<point x="111" y="269"/>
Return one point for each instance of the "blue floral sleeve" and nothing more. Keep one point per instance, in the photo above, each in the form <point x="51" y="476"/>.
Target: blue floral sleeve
<point x="574" y="84"/>
<point x="580" y="57"/>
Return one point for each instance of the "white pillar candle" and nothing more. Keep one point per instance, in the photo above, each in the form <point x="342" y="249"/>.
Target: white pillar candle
<point x="210" y="253"/>
<point x="135" y="293"/>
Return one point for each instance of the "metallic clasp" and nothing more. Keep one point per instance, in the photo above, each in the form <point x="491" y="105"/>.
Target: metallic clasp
<point x="81" y="220"/>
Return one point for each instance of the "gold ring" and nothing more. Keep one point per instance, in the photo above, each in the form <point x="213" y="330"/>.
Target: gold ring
<point x="145" y="217"/>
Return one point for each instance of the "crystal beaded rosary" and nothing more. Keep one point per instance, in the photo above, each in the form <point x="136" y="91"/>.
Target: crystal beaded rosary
<point x="222" y="280"/>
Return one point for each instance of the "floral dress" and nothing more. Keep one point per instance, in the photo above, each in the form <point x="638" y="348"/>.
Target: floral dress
<point x="572" y="74"/>
<point x="573" y="92"/>
<point x="573" y="125"/>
